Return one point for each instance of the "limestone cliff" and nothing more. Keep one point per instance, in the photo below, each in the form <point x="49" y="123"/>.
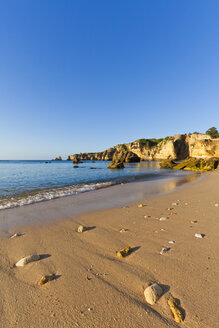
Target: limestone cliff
<point x="176" y="147"/>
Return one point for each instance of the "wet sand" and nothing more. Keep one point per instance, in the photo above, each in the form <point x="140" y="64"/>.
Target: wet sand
<point x="94" y="288"/>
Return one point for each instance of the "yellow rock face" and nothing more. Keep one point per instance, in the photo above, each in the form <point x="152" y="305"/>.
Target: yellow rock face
<point x="124" y="252"/>
<point x="177" y="313"/>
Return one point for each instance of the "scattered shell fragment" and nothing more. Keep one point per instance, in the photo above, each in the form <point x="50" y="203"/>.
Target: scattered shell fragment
<point x="16" y="235"/>
<point x="175" y="204"/>
<point x="27" y="259"/>
<point x="124" y="252"/>
<point x="153" y="293"/>
<point x="186" y="203"/>
<point x="174" y="307"/>
<point x="81" y="228"/>
<point x="46" y="279"/>
<point x="172" y="242"/>
<point x="199" y="235"/>
<point x="163" y="218"/>
<point x="140" y="205"/>
<point x="216" y="205"/>
<point x="170" y="209"/>
<point x="147" y="216"/>
<point x="193" y="221"/>
<point x="164" y="250"/>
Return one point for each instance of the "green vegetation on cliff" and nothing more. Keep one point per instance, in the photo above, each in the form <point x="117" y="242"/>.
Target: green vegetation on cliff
<point x="213" y="132"/>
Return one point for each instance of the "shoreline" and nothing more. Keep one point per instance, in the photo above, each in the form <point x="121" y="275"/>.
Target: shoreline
<point x="116" y="195"/>
<point x="94" y="288"/>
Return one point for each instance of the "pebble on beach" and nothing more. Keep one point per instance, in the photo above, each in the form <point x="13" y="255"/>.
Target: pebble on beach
<point x="153" y="293"/>
<point x="124" y="252"/>
<point x="46" y="279"/>
<point x="123" y="230"/>
<point x="163" y="218"/>
<point x="140" y="205"/>
<point x="174" y="307"/>
<point x="28" y="259"/>
<point x="16" y="235"/>
<point x="164" y="250"/>
<point x="199" y="235"/>
<point x="81" y="228"/>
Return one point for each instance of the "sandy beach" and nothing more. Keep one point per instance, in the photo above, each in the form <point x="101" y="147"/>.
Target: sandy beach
<point x="95" y="288"/>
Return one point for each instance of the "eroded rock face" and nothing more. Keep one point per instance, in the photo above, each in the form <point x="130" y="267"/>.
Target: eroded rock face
<point x="177" y="147"/>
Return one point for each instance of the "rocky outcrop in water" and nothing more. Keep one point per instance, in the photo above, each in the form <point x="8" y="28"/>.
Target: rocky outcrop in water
<point x="192" y="164"/>
<point x="177" y="147"/>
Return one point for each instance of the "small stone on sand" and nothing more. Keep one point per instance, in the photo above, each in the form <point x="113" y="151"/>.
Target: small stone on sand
<point x="199" y="235"/>
<point x="193" y="221"/>
<point x="27" y="259"/>
<point x="16" y="235"/>
<point x="46" y="279"/>
<point x="140" y="205"/>
<point x="153" y="293"/>
<point x="81" y="228"/>
<point x="163" y="218"/>
<point x="123" y="230"/>
<point x="171" y="242"/>
<point x="164" y="250"/>
<point x="174" y="307"/>
<point x="124" y="252"/>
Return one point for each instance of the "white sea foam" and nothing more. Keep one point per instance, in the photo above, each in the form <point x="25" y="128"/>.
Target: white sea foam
<point x="48" y="194"/>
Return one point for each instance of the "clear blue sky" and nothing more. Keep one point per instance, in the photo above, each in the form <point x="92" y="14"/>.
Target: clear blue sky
<point x="83" y="75"/>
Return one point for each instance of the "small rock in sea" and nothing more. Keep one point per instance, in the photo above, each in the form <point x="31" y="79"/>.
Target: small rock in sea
<point x="164" y="250"/>
<point x="46" y="279"/>
<point x="199" y="235"/>
<point x="124" y="252"/>
<point x="153" y="293"/>
<point x="140" y="205"/>
<point x="193" y="221"/>
<point x="172" y="242"/>
<point x="163" y="218"/>
<point x="16" y="235"/>
<point x="174" y="307"/>
<point x="75" y="166"/>
<point x="81" y="228"/>
<point x="27" y="259"/>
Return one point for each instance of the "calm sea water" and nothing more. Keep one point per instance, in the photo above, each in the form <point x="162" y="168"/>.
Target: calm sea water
<point x="26" y="182"/>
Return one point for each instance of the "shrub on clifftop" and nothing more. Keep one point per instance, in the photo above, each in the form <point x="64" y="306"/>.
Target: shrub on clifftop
<point x="213" y="132"/>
